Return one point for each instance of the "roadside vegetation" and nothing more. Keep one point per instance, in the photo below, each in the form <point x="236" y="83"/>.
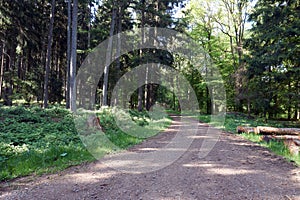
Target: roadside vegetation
<point x="233" y="120"/>
<point x="37" y="141"/>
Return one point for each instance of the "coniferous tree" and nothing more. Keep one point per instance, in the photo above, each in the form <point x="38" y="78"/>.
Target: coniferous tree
<point x="274" y="63"/>
<point x="48" y="56"/>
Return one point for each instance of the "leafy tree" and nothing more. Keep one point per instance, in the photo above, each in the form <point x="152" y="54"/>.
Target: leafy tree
<point x="204" y="20"/>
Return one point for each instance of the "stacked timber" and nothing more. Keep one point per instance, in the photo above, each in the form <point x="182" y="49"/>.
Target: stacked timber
<point x="244" y="129"/>
<point x="264" y="130"/>
<point x="289" y="136"/>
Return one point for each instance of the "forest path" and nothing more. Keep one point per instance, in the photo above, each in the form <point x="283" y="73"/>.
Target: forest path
<point x="234" y="169"/>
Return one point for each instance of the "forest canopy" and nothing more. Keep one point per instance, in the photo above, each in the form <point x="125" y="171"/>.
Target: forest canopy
<point x="254" y="44"/>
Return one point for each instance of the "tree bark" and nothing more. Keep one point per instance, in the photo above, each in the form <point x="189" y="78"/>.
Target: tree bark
<point x="48" y="57"/>
<point x="1" y="68"/>
<point x="108" y="58"/>
<point x="276" y="131"/>
<point x="264" y="130"/>
<point x="291" y="142"/>
<point x="140" y="90"/>
<point x="68" y="56"/>
<point x="8" y="91"/>
<point x="140" y="99"/>
<point x="90" y="24"/>
<point x="243" y="129"/>
<point x="281" y="137"/>
<point x="297" y="103"/>
<point x="149" y="97"/>
<point x="248" y="103"/>
<point x="73" y="58"/>
<point x="119" y="28"/>
<point x="119" y="41"/>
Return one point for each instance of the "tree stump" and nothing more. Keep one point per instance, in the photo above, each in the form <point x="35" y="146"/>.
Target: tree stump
<point x="94" y="122"/>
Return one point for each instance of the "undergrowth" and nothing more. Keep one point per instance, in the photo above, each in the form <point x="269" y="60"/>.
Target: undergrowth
<point x="37" y="141"/>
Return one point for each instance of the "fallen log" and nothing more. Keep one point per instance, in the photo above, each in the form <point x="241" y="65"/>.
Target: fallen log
<point x="292" y="142"/>
<point x="292" y="146"/>
<point x="295" y="138"/>
<point x="264" y="130"/>
<point x="244" y="129"/>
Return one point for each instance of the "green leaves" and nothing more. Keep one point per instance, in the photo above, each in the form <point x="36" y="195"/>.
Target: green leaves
<point x="274" y="57"/>
<point x="35" y="140"/>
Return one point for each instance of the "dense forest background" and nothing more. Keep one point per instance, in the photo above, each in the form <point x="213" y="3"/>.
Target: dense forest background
<point x="255" y="45"/>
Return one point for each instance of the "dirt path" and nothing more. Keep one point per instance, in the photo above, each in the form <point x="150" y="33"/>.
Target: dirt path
<point x="234" y="169"/>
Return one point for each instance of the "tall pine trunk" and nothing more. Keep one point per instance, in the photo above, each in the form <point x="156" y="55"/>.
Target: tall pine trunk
<point x="10" y="62"/>
<point x="140" y="90"/>
<point x="73" y="58"/>
<point x="48" y="57"/>
<point x="108" y="58"/>
<point x="1" y="68"/>
<point x="68" y="56"/>
<point x="118" y="61"/>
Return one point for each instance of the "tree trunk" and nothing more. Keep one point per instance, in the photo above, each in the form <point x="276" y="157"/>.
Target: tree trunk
<point x="149" y="97"/>
<point x="73" y="58"/>
<point x="174" y="101"/>
<point x="248" y="106"/>
<point x="119" y="28"/>
<point x="8" y="91"/>
<point x="68" y="56"/>
<point x="89" y="25"/>
<point x="146" y="88"/>
<point x="297" y="103"/>
<point x="1" y="68"/>
<point x="140" y="99"/>
<point x="140" y="90"/>
<point x="208" y="102"/>
<point x="289" y="106"/>
<point x="118" y="61"/>
<point x="108" y="58"/>
<point x="48" y="57"/>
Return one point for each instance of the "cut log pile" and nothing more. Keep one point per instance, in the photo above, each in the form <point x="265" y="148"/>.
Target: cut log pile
<point x="244" y="129"/>
<point x="289" y="136"/>
<point x="276" y="131"/>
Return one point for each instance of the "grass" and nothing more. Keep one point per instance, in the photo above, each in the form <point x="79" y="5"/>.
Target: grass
<point x="233" y="120"/>
<point x="37" y="141"/>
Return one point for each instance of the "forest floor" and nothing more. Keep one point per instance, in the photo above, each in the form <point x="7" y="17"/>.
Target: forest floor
<point x="234" y="169"/>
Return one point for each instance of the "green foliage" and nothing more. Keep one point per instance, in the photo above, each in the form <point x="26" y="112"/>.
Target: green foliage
<point x="238" y="119"/>
<point x="113" y="132"/>
<point x="274" y="58"/>
<point x="143" y="127"/>
<point x="35" y="140"/>
<point x="276" y="146"/>
<point x="140" y="118"/>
